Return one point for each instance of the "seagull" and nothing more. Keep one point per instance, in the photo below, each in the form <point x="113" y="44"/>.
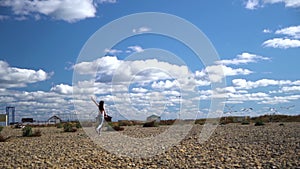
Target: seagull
<point x="247" y="109"/>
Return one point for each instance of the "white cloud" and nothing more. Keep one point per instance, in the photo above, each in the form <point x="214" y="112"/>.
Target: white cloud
<point x="105" y="64"/>
<point x="243" y="58"/>
<point x="112" y="51"/>
<point x="17" y="77"/>
<point x="293" y="31"/>
<point x="165" y="84"/>
<point x="141" y="30"/>
<point x="290" y="89"/>
<point x="280" y="99"/>
<point x="109" y="68"/>
<point x="244" y="84"/>
<point x="217" y="72"/>
<point x="136" y="48"/>
<point x="259" y="96"/>
<point x="291" y="40"/>
<point x="233" y="94"/>
<point x="252" y="4"/>
<point x="62" y="89"/>
<point x="267" y="31"/>
<point x="67" y="10"/>
<point x="228" y="89"/>
<point x="297" y="82"/>
<point x="130" y="49"/>
<point x="288" y="3"/>
<point x="283" y="43"/>
<point x="139" y="90"/>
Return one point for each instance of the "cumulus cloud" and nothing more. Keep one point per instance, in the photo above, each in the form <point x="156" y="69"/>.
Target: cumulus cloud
<point x="215" y="73"/>
<point x="244" y="84"/>
<point x="62" y="89"/>
<point x="259" y="96"/>
<point x="252" y="4"/>
<point x="292" y="31"/>
<point x="105" y="65"/>
<point x="129" y="49"/>
<point x="112" y="51"/>
<point x="243" y="58"/>
<point x="282" y="43"/>
<point x="291" y="39"/>
<point x="280" y="99"/>
<point x="109" y="68"/>
<point x="139" y="90"/>
<point x="18" y="77"/>
<point x="67" y="10"/>
<point x="236" y="94"/>
<point x="136" y="48"/>
<point x="168" y="84"/>
<point x="288" y="3"/>
<point x="290" y="89"/>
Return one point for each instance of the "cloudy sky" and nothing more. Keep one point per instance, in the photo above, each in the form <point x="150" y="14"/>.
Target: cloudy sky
<point x="258" y="43"/>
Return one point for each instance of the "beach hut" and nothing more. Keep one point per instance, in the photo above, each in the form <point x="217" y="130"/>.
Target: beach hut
<point x="153" y="118"/>
<point x="54" y="120"/>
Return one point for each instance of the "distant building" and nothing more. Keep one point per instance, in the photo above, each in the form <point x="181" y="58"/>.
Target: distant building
<point x="54" y="120"/>
<point x="153" y="118"/>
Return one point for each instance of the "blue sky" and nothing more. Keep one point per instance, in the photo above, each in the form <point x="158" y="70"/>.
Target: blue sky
<point x="258" y="42"/>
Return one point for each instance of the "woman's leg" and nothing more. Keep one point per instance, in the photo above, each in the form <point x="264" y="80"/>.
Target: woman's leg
<point x="101" y="123"/>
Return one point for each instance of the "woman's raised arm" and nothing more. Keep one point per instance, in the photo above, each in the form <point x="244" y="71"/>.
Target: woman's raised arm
<point x="94" y="101"/>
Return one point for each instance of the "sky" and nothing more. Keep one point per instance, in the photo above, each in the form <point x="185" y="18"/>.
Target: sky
<point x="42" y="45"/>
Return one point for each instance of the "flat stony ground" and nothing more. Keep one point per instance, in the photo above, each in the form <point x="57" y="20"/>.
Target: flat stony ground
<point x="230" y="146"/>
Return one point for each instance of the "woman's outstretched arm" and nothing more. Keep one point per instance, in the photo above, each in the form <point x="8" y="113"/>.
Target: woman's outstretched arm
<point x="94" y="101"/>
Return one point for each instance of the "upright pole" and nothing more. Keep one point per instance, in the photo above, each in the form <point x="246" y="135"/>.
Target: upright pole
<point x="7" y="114"/>
<point x="13" y="115"/>
<point x="12" y="112"/>
<point x="6" y="120"/>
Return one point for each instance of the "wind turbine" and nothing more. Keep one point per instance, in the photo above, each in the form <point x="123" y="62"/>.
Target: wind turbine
<point x="229" y="109"/>
<point x="250" y="109"/>
<point x="273" y="109"/>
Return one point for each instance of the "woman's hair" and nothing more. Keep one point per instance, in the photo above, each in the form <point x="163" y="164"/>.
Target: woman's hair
<point x="101" y="105"/>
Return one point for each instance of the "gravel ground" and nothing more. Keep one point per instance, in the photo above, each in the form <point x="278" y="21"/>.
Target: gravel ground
<point x="230" y="146"/>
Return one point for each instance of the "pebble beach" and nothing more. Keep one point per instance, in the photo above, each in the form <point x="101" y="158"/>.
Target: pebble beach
<point x="230" y="146"/>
